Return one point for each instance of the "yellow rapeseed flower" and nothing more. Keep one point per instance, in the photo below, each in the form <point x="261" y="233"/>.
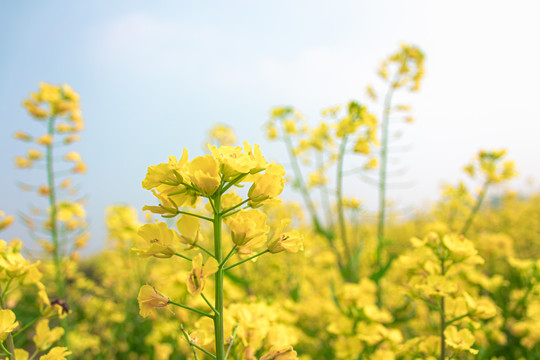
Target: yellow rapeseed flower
<point x="149" y="299"/>
<point x="44" y="190"/>
<point x="56" y="353"/>
<point x="160" y="238"/>
<point x="22" y="162"/>
<point x="72" y="156"/>
<point x="45" y="140"/>
<point x="268" y="185"/>
<point x="280" y="354"/>
<point x="45" y="337"/>
<point x="222" y="134"/>
<point x="199" y="273"/>
<point x="7" y="323"/>
<point x="291" y="241"/>
<point x="79" y="168"/>
<point x="34" y="154"/>
<point x="203" y="172"/>
<point x="21" y="135"/>
<point x="6" y="221"/>
<point x="189" y="228"/>
<point x="461" y="340"/>
<point x="247" y="225"/>
<point x="21" y="354"/>
<point x="71" y="139"/>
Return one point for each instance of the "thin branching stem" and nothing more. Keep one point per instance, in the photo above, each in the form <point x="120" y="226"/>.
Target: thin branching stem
<point x="249" y="258"/>
<point x="192" y="309"/>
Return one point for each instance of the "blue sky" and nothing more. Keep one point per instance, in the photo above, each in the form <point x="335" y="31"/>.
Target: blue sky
<point x="154" y="76"/>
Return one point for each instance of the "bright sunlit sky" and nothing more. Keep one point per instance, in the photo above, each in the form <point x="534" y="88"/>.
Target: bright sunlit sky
<point x="154" y="76"/>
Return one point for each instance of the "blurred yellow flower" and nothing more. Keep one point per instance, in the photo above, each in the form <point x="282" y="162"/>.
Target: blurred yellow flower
<point x="461" y="340"/>
<point x="56" y="353"/>
<point x="7" y="323"/>
<point x="45" y="337"/>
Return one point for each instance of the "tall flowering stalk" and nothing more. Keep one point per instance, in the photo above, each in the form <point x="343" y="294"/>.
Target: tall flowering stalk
<point x="61" y="229"/>
<point x="182" y="183"/>
<point x="404" y="70"/>
<point x="340" y="126"/>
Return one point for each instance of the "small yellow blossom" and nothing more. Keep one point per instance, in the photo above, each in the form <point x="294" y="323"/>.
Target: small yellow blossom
<point x="73" y="156"/>
<point x="199" y="273"/>
<point x="160" y="238"/>
<point x="268" y="185"/>
<point x="7" y="323"/>
<point x="44" y="190"/>
<point x="204" y="174"/>
<point x="21" y="354"/>
<point x="372" y="163"/>
<point x="45" y="140"/>
<point x="21" y="135"/>
<point x="45" y="337"/>
<point x="34" y="154"/>
<point x="291" y="241"/>
<point x="247" y="225"/>
<point x="56" y="353"/>
<point x="222" y="134"/>
<point x="371" y="93"/>
<point x="189" y="228"/>
<point x="71" y="139"/>
<point x="461" y="340"/>
<point x="79" y="168"/>
<point x="65" y="183"/>
<point x="149" y="299"/>
<point x="280" y="354"/>
<point x="22" y="162"/>
<point x="6" y="221"/>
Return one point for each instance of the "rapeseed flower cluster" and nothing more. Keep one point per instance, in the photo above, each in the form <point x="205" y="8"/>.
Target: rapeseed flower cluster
<point x="180" y="184"/>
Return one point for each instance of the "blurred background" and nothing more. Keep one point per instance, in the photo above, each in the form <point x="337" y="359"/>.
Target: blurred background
<point x="154" y="77"/>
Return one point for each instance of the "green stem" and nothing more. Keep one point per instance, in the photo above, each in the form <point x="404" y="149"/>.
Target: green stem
<point x="218" y="317"/>
<point x="341" y="216"/>
<point x="34" y="355"/>
<point x="10" y="354"/>
<point x="231" y="253"/>
<point x="53" y="221"/>
<point x="183" y="257"/>
<point x="382" y="183"/>
<point x="5" y="290"/>
<point x="476" y="207"/>
<point x="232" y="213"/>
<point x="27" y="326"/>
<point x="188" y="340"/>
<point x="443" y="316"/>
<point x="208" y="303"/>
<point x="307" y="200"/>
<point x="231" y="183"/>
<point x="301" y="184"/>
<point x="325" y="197"/>
<point x="234" y="207"/>
<point x="203" y="249"/>
<point x="232" y="341"/>
<point x="203" y="350"/>
<point x="195" y="215"/>
<point x="192" y="309"/>
<point x="249" y="258"/>
<point x="457" y="319"/>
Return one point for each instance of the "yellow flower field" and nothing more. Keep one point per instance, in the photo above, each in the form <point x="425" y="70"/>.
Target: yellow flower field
<point x="222" y="264"/>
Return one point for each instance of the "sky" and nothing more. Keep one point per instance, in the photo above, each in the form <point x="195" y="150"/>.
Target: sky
<point x="155" y="76"/>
